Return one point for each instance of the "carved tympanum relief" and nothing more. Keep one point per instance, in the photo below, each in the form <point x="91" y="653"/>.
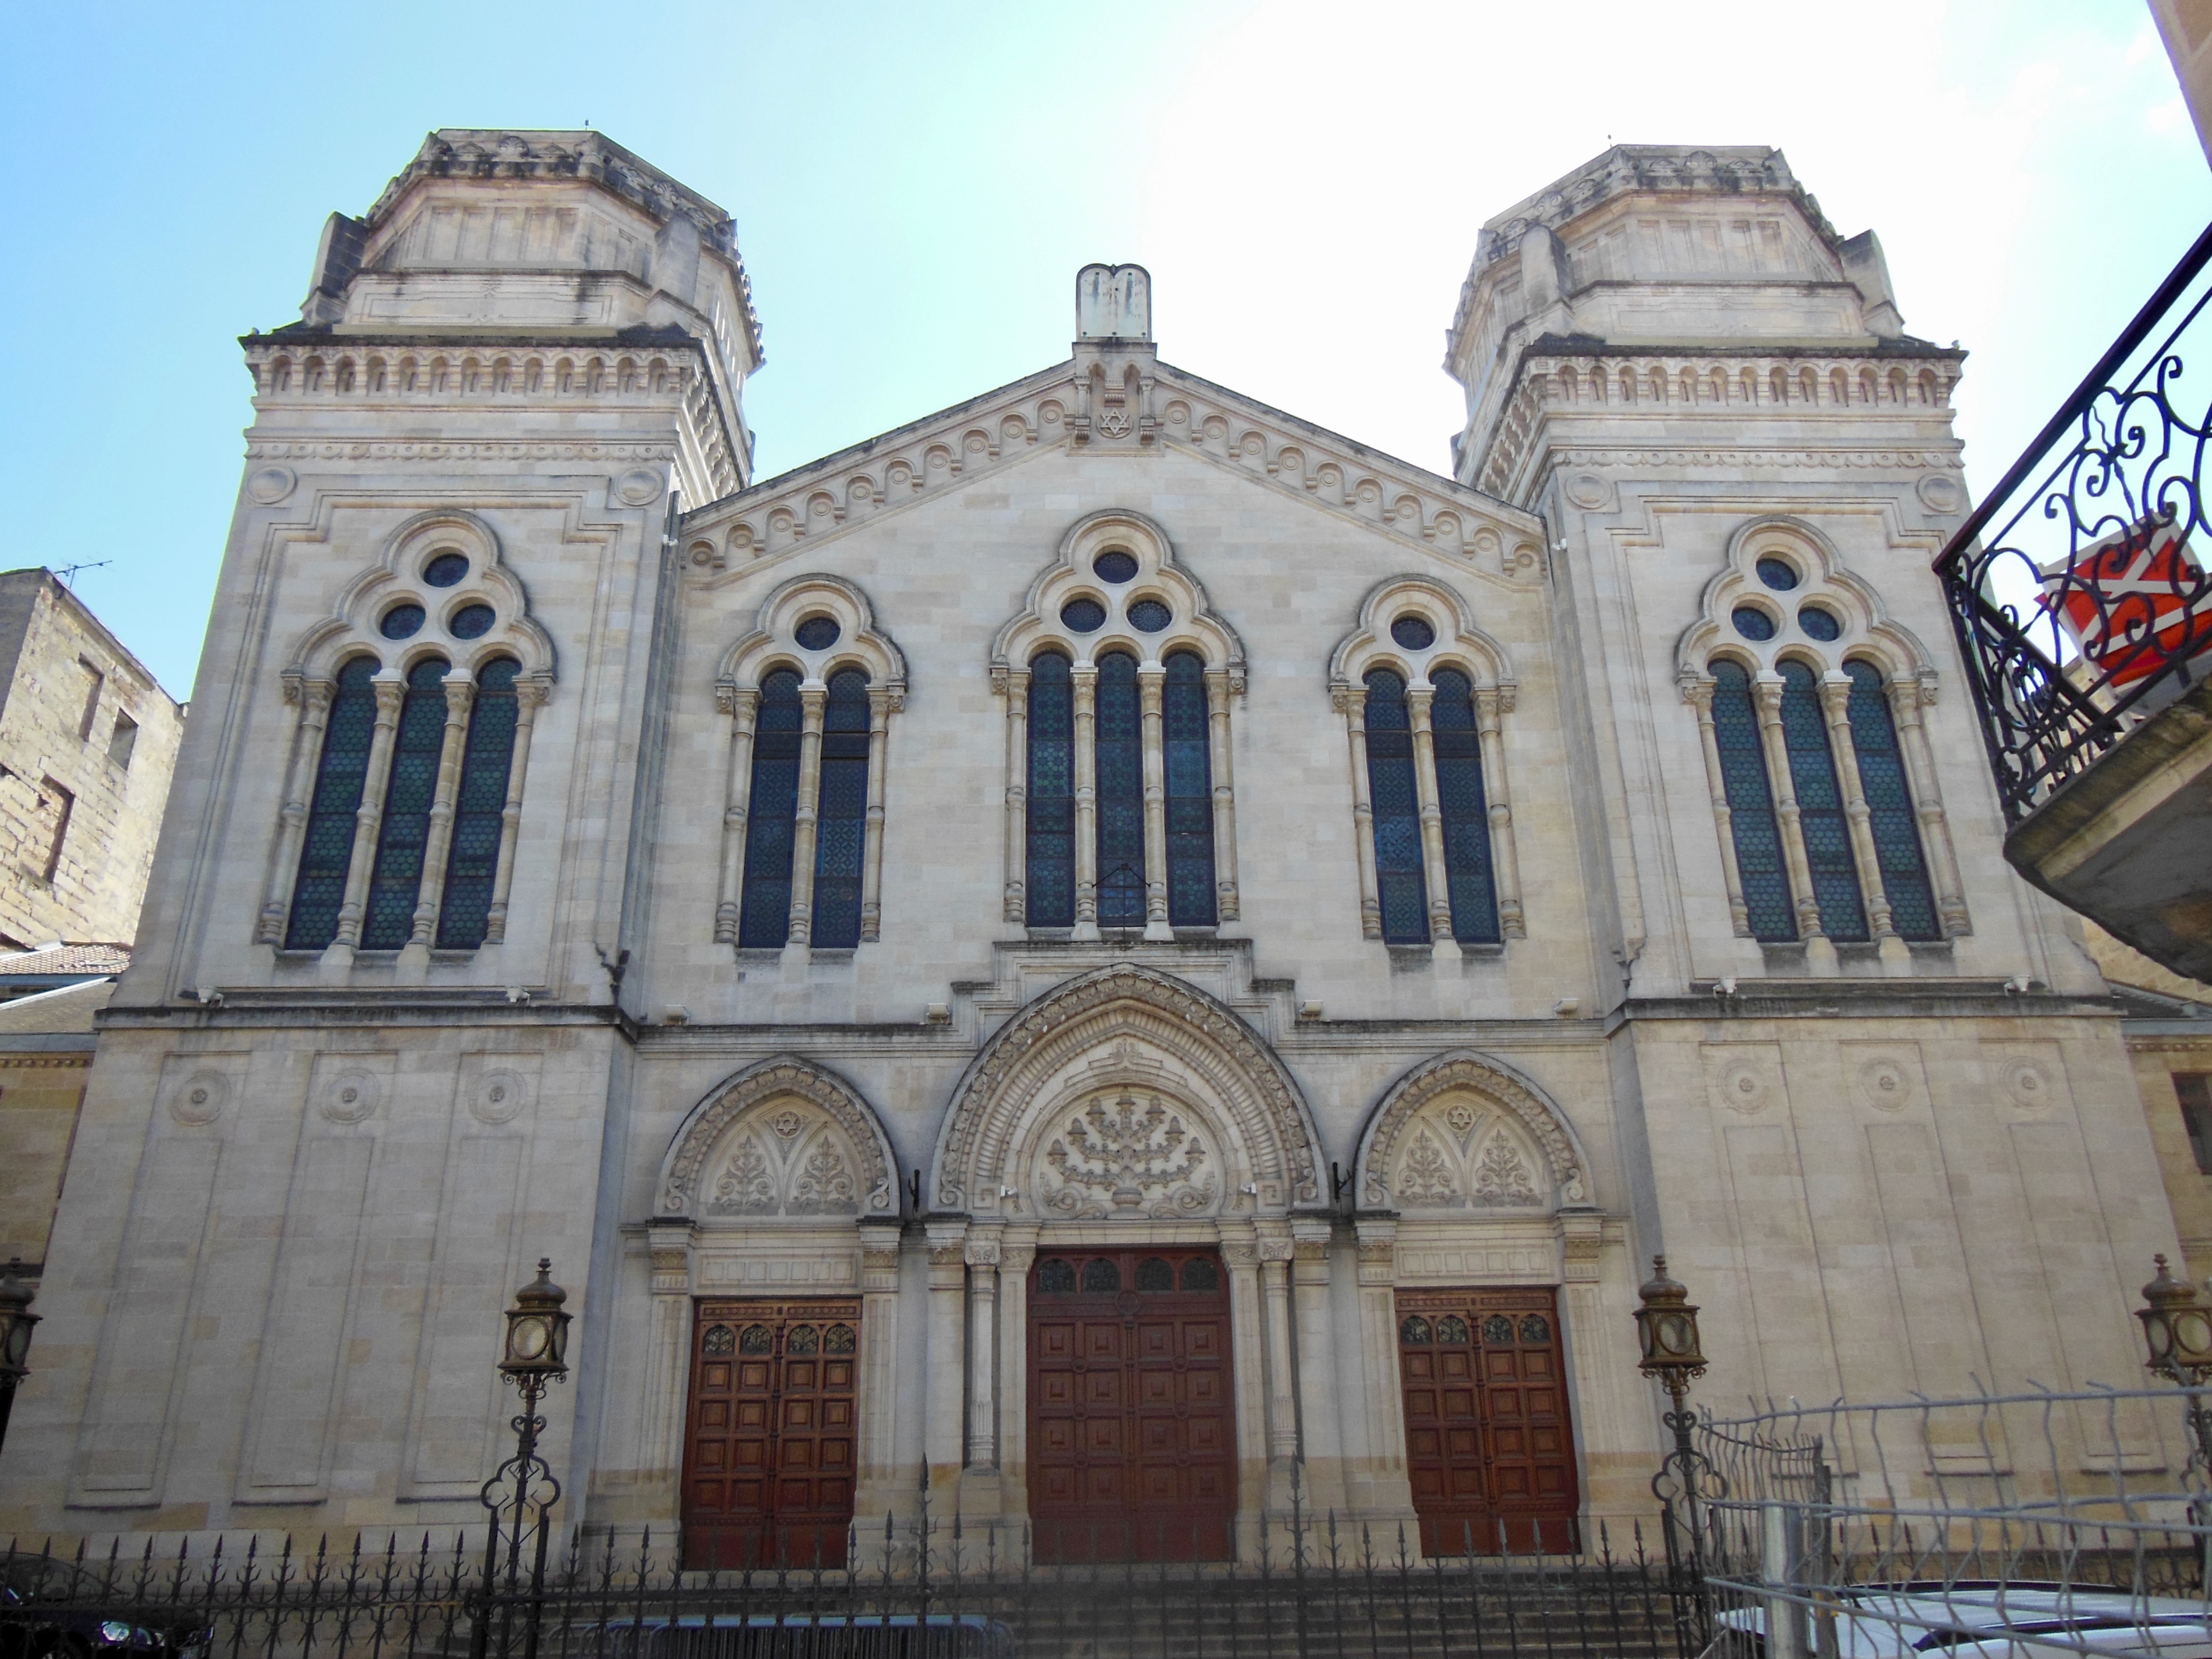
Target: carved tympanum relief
<point x="784" y="1138"/>
<point x="790" y="1161"/>
<point x="1125" y="1153"/>
<point x="1465" y="1154"/>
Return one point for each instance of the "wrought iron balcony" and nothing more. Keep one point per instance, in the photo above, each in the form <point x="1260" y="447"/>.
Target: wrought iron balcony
<point x="2082" y="601"/>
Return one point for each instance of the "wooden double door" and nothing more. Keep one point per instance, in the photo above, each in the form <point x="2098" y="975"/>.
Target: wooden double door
<point x="1132" y="1429"/>
<point x="1488" y="1443"/>
<point x="771" y="1442"/>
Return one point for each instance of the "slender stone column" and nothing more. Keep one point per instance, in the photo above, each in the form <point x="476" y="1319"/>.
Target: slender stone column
<point x="982" y="1255"/>
<point x="812" y="699"/>
<point x="879" y="1486"/>
<point x="1390" y="1489"/>
<point x="1016" y="1251"/>
<point x="1491" y="702"/>
<point x="313" y="698"/>
<point x="1151" y="683"/>
<point x="1698" y="694"/>
<point x="1015" y="684"/>
<point x="1248" y="1347"/>
<point x="437" y="846"/>
<point x="1819" y="949"/>
<point x="1282" y="1384"/>
<point x="1085" y="678"/>
<point x="945" y="1381"/>
<point x="1836" y="710"/>
<point x="1444" y="945"/>
<point x="1322" y="1430"/>
<point x="1352" y="702"/>
<point x="667" y="1384"/>
<point x="367" y="821"/>
<point x="1906" y="698"/>
<point x="742" y="705"/>
<point x="530" y="695"/>
<point x="1225" y="901"/>
<point x="881" y="702"/>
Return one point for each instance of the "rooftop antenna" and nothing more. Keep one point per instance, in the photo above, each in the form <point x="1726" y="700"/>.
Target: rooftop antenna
<point x="68" y="572"/>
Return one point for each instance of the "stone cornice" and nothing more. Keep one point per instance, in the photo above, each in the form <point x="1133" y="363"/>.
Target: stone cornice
<point x="956" y="446"/>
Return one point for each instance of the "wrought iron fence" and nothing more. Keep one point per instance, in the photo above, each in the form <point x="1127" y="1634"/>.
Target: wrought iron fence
<point x="2031" y="1523"/>
<point x="2078" y="587"/>
<point x="916" y="1588"/>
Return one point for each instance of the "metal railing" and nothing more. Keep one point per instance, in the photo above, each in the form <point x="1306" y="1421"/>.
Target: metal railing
<point x="2031" y="1523"/>
<point x="914" y="1588"/>
<point x="2076" y="587"/>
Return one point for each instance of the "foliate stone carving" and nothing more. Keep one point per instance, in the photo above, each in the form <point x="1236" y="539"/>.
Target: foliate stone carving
<point x="744" y="1185"/>
<point x="1427" y="1177"/>
<point x="1449" y="1099"/>
<point x="1127" y="1157"/>
<point x="860" y="1183"/>
<point x="1501" y="1174"/>
<point x="1002" y="1083"/>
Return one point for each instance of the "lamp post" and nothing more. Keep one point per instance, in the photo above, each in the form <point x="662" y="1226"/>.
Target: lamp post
<point x="522" y="1491"/>
<point x="15" y="1321"/>
<point x="2179" y="1333"/>
<point x="1667" y="1329"/>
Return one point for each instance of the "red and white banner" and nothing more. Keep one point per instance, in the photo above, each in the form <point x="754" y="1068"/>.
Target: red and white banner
<point x="2133" y="603"/>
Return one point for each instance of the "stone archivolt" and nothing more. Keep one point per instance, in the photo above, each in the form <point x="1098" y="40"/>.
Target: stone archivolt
<point x="1463" y="1132"/>
<point x="1134" y="1031"/>
<point x="784" y="1139"/>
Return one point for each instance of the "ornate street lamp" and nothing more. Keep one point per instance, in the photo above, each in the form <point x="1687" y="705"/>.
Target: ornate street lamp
<point x="522" y="1491"/>
<point x="2179" y="1333"/>
<point x="15" y="1321"/>
<point x="1666" y="1329"/>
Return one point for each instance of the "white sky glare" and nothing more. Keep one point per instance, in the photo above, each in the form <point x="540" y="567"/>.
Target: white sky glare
<point x="915" y="189"/>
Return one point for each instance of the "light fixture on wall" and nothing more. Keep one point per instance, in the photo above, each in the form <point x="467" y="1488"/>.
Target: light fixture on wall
<point x="16" y="1319"/>
<point x="522" y="1491"/>
<point x="2178" y="1331"/>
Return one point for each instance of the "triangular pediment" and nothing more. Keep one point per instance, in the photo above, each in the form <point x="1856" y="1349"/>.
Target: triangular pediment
<point x="1176" y="412"/>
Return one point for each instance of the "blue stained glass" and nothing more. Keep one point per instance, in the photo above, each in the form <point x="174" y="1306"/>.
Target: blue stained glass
<point x="1120" y="795"/>
<point x="1820" y="806"/>
<point x="1889" y="800"/>
<point x="1190" y="793"/>
<point x="1751" y="623"/>
<point x="1115" y="565"/>
<point x="1401" y="887"/>
<point x="1751" y="806"/>
<point x="772" y="811"/>
<point x="1050" y="870"/>
<point x="395" y="887"/>
<point x="841" y="825"/>
<point x="326" y="852"/>
<point x="1466" y="812"/>
<point x="479" y="810"/>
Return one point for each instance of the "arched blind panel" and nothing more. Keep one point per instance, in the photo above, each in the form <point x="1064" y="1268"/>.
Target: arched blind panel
<point x="1466" y="813"/>
<point x="479" y="809"/>
<point x="1190" y="794"/>
<point x="1751" y="806"/>
<point x="841" y="821"/>
<point x="1401" y="890"/>
<point x="1120" y="795"/>
<point x="326" y="852"/>
<point x="1820" y="806"/>
<point x="396" y="885"/>
<point x="1889" y="800"/>
<point x="1050" y="864"/>
<point x="764" y="920"/>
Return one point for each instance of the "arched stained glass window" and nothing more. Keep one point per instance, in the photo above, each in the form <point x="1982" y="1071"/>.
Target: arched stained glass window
<point x="479" y="809"/>
<point x="1821" y="805"/>
<point x="396" y="885"/>
<point x="1190" y="793"/>
<point x="1402" y="889"/>
<point x="1050" y="864"/>
<point x="842" y="820"/>
<point x="326" y="853"/>
<point x="1121" y="794"/>
<point x="764" y="922"/>
<point x="1466" y="813"/>
<point x="1889" y="800"/>
<point x="1751" y="806"/>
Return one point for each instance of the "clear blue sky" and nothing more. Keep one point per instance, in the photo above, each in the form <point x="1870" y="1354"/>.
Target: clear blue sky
<point x="914" y="186"/>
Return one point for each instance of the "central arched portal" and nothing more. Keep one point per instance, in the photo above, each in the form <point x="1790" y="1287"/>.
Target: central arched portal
<point x="1122" y="1185"/>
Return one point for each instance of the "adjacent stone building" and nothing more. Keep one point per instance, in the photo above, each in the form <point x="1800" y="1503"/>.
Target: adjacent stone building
<point x="1109" y="950"/>
<point x="88" y="741"/>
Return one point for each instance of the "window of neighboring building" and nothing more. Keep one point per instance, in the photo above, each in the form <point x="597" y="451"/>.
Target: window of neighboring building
<point x="94" y="681"/>
<point x="63" y="802"/>
<point x="123" y="740"/>
<point x="2194" y="1091"/>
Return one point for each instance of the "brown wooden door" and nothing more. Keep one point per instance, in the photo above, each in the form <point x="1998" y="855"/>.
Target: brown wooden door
<point x="1132" y="1442"/>
<point x="769" y="1451"/>
<point x="1488" y="1443"/>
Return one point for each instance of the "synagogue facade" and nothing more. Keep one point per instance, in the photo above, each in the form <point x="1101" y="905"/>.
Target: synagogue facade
<point x="1110" y="954"/>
